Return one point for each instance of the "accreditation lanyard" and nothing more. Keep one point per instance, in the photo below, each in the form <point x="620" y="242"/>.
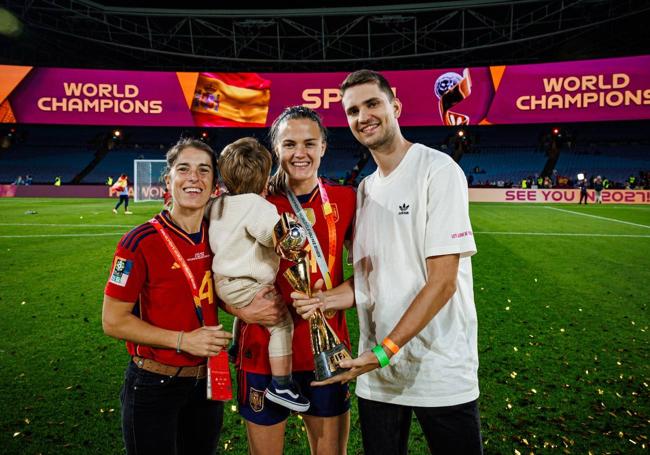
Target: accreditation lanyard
<point x="311" y="235"/>
<point x="178" y="257"/>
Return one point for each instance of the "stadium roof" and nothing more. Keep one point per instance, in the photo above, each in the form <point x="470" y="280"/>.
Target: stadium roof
<point x="326" y="36"/>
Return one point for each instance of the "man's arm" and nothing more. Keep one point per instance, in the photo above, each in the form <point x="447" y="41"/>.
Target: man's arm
<point x="437" y="291"/>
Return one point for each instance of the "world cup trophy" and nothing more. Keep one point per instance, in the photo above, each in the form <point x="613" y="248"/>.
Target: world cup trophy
<point x="290" y="240"/>
<point x="452" y="88"/>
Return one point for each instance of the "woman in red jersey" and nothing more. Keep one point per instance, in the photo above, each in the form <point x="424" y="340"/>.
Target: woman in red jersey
<point x="299" y="140"/>
<point x="159" y="298"/>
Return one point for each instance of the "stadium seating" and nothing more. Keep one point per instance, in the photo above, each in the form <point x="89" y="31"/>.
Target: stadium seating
<point x="502" y="153"/>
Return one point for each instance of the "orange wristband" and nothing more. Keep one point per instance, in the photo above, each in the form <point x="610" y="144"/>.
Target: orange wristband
<point x="392" y="347"/>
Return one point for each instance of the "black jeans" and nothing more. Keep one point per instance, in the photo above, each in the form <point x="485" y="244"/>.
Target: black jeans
<point x="168" y="415"/>
<point x="123" y="198"/>
<point x="448" y="430"/>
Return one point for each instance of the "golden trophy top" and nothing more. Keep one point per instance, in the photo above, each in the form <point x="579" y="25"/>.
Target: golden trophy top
<point x="290" y="238"/>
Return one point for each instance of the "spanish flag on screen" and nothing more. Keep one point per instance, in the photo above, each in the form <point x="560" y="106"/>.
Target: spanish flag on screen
<point x="231" y="99"/>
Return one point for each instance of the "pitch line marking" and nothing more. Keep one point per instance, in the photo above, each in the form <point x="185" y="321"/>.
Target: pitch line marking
<point x="99" y="234"/>
<point x="69" y="225"/>
<point x="562" y="234"/>
<point x="598" y="217"/>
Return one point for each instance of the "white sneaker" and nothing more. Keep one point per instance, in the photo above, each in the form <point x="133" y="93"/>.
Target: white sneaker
<point x="115" y="211"/>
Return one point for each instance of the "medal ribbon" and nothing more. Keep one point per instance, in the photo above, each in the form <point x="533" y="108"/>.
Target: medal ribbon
<point x="178" y="257"/>
<point x="311" y="235"/>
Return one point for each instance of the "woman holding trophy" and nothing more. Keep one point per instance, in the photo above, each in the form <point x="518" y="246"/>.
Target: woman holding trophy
<point x="326" y="212"/>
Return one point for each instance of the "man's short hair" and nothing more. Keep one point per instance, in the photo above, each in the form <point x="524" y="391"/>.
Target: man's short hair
<point x="364" y="77"/>
<point x="245" y="166"/>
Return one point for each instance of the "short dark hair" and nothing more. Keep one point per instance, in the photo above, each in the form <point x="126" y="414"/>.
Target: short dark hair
<point x="360" y="77"/>
<point x="245" y="166"/>
<point x="182" y="144"/>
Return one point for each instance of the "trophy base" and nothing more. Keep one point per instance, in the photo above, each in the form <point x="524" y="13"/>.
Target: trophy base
<point x="327" y="362"/>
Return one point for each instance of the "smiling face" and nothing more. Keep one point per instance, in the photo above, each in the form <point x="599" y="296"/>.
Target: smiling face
<point x="371" y="115"/>
<point x="300" y="146"/>
<point x="191" y="179"/>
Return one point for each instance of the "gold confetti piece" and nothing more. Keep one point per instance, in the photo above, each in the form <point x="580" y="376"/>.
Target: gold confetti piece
<point x="111" y="410"/>
<point x="299" y="417"/>
<point x="619" y="395"/>
<point x="620" y="434"/>
<point x="561" y="330"/>
<point x="513" y="374"/>
<point x="233" y="408"/>
<point x="507" y="308"/>
<point x="600" y="391"/>
<point x="633" y="442"/>
<point x="68" y="388"/>
<point x="515" y="348"/>
<point x="23" y="302"/>
<point x="482" y="289"/>
<point x="517" y="452"/>
<point x="101" y="410"/>
<point x="580" y="309"/>
<point x="618" y="363"/>
<point x="16" y="433"/>
<point x="509" y="406"/>
<point x="535" y="280"/>
<point x="533" y="390"/>
<point x="633" y="323"/>
<point x="548" y="306"/>
<point x="27" y="421"/>
<point x="509" y="301"/>
<point x="586" y="371"/>
<point x="524" y="441"/>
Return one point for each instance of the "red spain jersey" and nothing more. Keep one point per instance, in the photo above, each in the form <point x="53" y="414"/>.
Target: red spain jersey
<point x="145" y="272"/>
<point x="254" y="339"/>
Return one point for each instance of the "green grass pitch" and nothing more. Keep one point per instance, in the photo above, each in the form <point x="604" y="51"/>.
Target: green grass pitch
<point x="562" y="294"/>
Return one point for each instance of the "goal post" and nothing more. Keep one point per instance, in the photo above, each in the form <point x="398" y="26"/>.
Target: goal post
<point x="148" y="184"/>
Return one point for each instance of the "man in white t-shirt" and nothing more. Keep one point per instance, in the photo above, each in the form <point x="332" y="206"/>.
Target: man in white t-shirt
<point x="412" y="286"/>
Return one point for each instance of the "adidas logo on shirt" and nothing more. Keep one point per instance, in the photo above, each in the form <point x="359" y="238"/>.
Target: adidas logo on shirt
<point x="403" y="209"/>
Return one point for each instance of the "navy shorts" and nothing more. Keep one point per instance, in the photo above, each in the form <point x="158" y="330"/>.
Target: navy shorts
<point x="326" y="401"/>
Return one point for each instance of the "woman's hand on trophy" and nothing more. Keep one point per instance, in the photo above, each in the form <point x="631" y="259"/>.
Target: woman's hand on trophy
<point x="305" y="305"/>
<point x="364" y="363"/>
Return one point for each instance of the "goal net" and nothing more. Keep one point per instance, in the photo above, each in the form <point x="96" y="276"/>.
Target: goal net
<point x="148" y="184"/>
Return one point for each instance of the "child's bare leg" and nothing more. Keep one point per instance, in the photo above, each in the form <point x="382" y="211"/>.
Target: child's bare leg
<point x="280" y="366"/>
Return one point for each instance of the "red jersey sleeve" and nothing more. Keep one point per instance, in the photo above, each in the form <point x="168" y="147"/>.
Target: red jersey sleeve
<point x="127" y="274"/>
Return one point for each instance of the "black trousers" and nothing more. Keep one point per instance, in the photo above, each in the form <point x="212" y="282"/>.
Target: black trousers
<point x="583" y="197"/>
<point x="448" y="430"/>
<point x="166" y="415"/>
<point x="123" y="198"/>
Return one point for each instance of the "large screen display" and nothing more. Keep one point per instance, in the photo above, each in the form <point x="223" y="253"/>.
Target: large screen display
<point x="578" y="91"/>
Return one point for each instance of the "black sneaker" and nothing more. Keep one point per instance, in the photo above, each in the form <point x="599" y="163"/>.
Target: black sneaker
<point x="288" y="396"/>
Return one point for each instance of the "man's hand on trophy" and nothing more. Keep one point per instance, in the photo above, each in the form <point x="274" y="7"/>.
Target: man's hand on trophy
<point x="364" y="363"/>
<point x="267" y="308"/>
<point x="306" y="306"/>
